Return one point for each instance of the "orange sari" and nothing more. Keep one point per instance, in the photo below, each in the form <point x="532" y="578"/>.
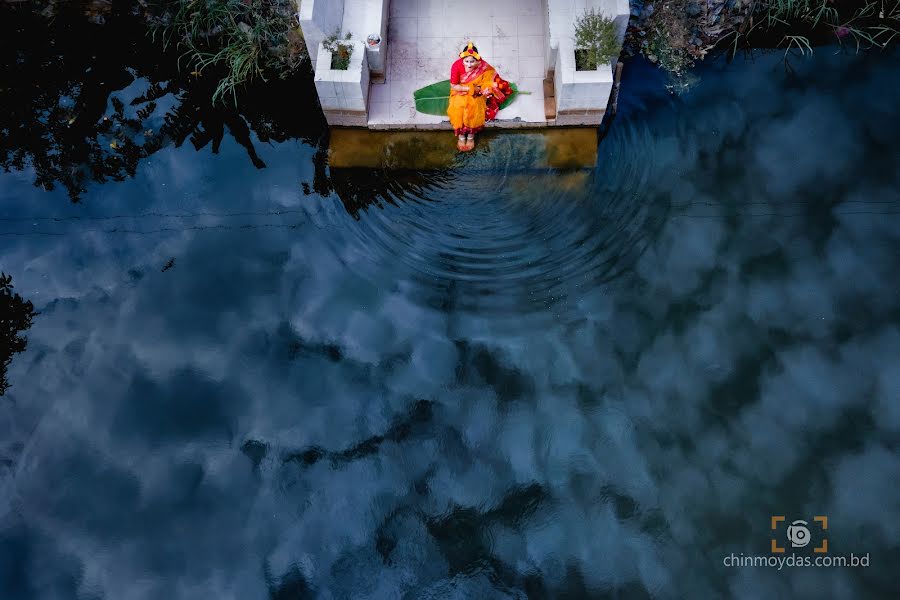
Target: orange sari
<point x="467" y="112"/>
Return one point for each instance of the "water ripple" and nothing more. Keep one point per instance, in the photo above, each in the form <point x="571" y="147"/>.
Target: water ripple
<point x="498" y="236"/>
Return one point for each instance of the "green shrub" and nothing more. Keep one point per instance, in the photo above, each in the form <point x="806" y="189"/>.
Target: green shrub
<point x="669" y="52"/>
<point x="340" y="51"/>
<point x="668" y="41"/>
<point x="248" y="38"/>
<point x="595" y="41"/>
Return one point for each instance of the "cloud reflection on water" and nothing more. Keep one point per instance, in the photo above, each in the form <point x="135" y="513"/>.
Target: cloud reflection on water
<point x="741" y="365"/>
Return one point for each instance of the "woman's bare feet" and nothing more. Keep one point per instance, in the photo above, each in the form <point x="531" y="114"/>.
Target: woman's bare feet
<point x="470" y="142"/>
<point x="461" y="144"/>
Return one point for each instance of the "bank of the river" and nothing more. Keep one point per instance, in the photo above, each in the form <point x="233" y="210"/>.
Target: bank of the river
<point x="234" y="42"/>
<point x="675" y="34"/>
<point x="238" y="41"/>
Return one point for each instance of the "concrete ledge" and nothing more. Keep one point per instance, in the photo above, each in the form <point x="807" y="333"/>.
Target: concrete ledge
<point x="580" y="113"/>
<point x="445" y="125"/>
<point x="560" y="148"/>
<point x="346" y="118"/>
<point x="575" y="118"/>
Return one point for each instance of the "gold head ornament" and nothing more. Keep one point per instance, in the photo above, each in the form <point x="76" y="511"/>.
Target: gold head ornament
<point x="470" y="50"/>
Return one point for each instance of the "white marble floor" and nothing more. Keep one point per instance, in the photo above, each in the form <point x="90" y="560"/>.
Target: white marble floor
<point x="425" y="37"/>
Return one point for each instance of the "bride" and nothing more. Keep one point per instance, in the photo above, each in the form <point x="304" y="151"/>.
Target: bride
<point x="476" y="93"/>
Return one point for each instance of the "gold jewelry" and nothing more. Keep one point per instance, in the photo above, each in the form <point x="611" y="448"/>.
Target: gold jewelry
<point x="470" y="51"/>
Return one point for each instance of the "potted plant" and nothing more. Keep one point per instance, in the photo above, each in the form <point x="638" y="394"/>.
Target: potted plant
<point x="340" y="51"/>
<point x="596" y="42"/>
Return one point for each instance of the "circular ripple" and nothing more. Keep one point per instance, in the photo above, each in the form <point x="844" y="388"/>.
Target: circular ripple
<point x="499" y="238"/>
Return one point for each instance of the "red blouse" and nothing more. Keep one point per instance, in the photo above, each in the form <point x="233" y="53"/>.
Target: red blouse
<point x="456" y="71"/>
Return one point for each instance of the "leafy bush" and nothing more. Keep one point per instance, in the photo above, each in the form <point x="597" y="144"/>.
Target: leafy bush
<point x="669" y="38"/>
<point x="595" y="40"/>
<point x="340" y="51"/>
<point x="674" y="34"/>
<point x="249" y="38"/>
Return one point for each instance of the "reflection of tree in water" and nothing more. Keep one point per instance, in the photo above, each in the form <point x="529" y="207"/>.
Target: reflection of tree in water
<point x="15" y="317"/>
<point x="62" y="117"/>
<point x="359" y="188"/>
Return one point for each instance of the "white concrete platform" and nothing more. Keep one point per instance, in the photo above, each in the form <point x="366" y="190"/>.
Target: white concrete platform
<point x="425" y="39"/>
<point x="524" y="40"/>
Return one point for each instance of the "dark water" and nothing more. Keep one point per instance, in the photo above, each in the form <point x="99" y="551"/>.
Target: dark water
<point x="253" y="377"/>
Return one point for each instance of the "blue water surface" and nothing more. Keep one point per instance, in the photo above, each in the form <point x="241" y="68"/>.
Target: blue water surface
<point x="246" y="381"/>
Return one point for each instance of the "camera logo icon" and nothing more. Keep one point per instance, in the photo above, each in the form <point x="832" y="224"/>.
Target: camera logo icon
<point x="798" y="533"/>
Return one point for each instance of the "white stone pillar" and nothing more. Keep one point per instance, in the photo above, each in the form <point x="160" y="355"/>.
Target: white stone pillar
<point x="344" y="94"/>
<point x="581" y="96"/>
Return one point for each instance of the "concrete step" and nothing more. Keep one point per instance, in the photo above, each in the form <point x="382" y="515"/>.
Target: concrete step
<point x="555" y="148"/>
<point x="549" y="107"/>
<point x="549" y="88"/>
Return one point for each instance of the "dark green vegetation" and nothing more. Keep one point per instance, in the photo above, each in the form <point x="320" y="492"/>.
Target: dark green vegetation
<point x="595" y="40"/>
<point x="676" y="33"/>
<point x="239" y="40"/>
<point x="15" y="317"/>
<point x="863" y="25"/>
<point x="233" y="41"/>
<point x="340" y="51"/>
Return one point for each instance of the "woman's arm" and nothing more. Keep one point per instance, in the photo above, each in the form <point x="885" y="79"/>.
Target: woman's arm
<point x="456" y="73"/>
<point x="488" y="88"/>
<point x="490" y="80"/>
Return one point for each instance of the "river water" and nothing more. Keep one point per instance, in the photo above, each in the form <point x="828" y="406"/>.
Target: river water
<point x="248" y="379"/>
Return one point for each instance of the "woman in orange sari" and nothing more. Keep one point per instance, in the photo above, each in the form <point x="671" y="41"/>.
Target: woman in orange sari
<point x="476" y="92"/>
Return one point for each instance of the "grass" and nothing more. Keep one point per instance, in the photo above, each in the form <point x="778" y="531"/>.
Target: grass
<point x="679" y="32"/>
<point x="247" y="39"/>
<point x="874" y="25"/>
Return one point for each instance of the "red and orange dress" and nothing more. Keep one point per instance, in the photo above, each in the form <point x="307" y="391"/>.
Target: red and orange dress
<point x="467" y="111"/>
